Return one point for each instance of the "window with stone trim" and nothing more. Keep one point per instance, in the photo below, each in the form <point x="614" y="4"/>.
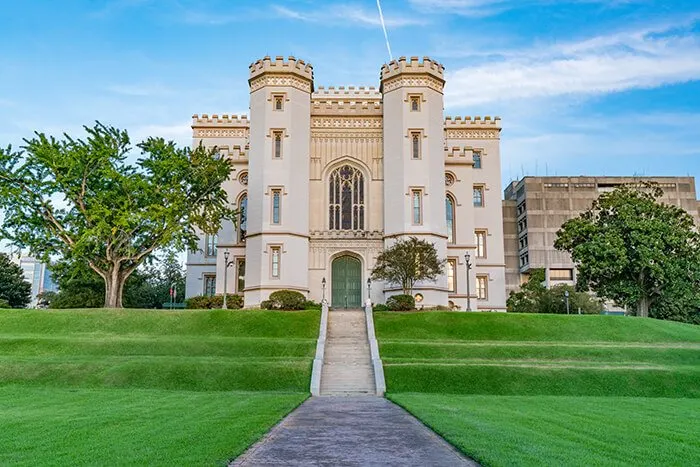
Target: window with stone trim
<point x="277" y="144"/>
<point x="416" y="138"/>
<point x="346" y="199"/>
<point x="450" y="214"/>
<point x="415" y="103"/>
<point x="242" y="217"/>
<point x="479" y="196"/>
<point x="211" y="242"/>
<point x="417" y="206"/>
<point x="476" y="157"/>
<point x="240" y="275"/>
<point x="452" y="275"/>
<point x="275" y="253"/>
<point x="276" y="206"/>
<point x="480" y="240"/>
<point x="482" y="287"/>
<point x="278" y="102"/>
<point x="209" y="285"/>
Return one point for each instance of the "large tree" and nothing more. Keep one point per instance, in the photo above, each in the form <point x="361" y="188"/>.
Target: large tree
<point x="82" y="200"/>
<point x="634" y="250"/>
<point x="407" y="262"/>
<point x="16" y="291"/>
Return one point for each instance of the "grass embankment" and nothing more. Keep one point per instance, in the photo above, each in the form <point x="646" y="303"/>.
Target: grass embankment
<point x="147" y="387"/>
<point x="533" y="389"/>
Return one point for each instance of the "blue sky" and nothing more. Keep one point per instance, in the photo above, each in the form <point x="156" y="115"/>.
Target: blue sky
<point x="599" y="87"/>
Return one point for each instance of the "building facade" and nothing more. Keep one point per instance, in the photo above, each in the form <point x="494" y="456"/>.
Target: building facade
<point x="326" y="178"/>
<point x="534" y="209"/>
<point x="37" y="274"/>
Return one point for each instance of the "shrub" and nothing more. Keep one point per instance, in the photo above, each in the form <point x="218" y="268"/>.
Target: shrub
<point x="401" y="303"/>
<point x="203" y="302"/>
<point x="4" y="303"/>
<point x="380" y="307"/>
<point x="285" y="300"/>
<point x="311" y="305"/>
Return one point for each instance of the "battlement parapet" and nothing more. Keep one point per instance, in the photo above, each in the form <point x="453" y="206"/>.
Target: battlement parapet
<point x="224" y="120"/>
<point x="350" y="92"/>
<point x="279" y="65"/>
<point x="475" y="122"/>
<point x="412" y="65"/>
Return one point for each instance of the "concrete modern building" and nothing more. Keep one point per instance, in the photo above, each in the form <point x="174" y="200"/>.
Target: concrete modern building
<point x="37" y="274"/>
<point x="326" y="178"/>
<point x="534" y="209"/>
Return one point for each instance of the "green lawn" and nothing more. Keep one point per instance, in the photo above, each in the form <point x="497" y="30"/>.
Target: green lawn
<point x="142" y="387"/>
<point x="513" y="389"/>
<point x="556" y="430"/>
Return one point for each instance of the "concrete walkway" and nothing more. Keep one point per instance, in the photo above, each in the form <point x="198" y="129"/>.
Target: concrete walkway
<point x="347" y="368"/>
<point x="351" y="431"/>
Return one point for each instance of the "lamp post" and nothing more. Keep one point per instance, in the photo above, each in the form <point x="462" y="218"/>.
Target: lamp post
<point x="566" y="298"/>
<point x="323" y="287"/>
<point x="469" y="295"/>
<point x="227" y="264"/>
<point x="369" y="291"/>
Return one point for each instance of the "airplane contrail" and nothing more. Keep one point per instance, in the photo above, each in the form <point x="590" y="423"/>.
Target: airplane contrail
<point x="386" y="36"/>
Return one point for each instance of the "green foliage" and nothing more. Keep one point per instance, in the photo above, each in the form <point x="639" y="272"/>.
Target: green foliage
<point x="534" y="297"/>
<point x="204" y="302"/>
<point x="284" y="300"/>
<point x="401" y="303"/>
<point x="311" y="305"/>
<point x="407" y="262"/>
<point x="380" y="307"/>
<point x="4" y="304"/>
<point x="13" y="288"/>
<point x="116" y="214"/>
<point x="638" y="252"/>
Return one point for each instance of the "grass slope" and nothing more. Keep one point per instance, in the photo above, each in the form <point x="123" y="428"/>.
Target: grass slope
<point x="547" y="389"/>
<point x="552" y="430"/>
<point x="135" y="387"/>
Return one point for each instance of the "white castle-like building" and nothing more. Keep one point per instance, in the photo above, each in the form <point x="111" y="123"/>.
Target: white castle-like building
<point x="326" y="178"/>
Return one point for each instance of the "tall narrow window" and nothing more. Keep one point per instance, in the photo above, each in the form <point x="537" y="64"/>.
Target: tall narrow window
<point x="277" y="143"/>
<point x="209" y="285"/>
<point x="477" y="159"/>
<point x="480" y="240"/>
<point x="275" y="269"/>
<point x="415" y="145"/>
<point x="416" y="203"/>
<point x="451" y="268"/>
<point x="240" y="273"/>
<point x="346" y="199"/>
<point x="450" y="212"/>
<point x="415" y="103"/>
<point x="482" y="287"/>
<point x="242" y="218"/>
<point x="211" y="244"/>
<point x="278" y="102"/>
<point x="276" y="205"/>
<point x="479" y="196"/>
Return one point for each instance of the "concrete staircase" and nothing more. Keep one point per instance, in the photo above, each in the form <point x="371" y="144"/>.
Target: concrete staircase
<point x="347" y="368"/>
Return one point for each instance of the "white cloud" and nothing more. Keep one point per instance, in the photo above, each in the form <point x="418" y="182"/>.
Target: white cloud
<point x="346" y="15"/>
<point x="639" y="59"/>
<point x="481" y="8"/>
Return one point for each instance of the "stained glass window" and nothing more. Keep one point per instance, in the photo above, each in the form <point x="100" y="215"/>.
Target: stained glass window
<point x="450" y="212"/>
<point x="242" y="218"/>
<point x="346" y="199"/>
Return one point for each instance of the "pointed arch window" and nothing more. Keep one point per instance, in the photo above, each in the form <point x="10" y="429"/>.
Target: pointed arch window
<point x="242" y="217"/>
<point x="346" y="199"/>
<point x="450" y="213"/>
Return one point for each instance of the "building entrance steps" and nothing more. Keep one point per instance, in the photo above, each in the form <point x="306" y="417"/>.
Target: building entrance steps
<point x="347" y="366"/>
<point x="358" y="431"/>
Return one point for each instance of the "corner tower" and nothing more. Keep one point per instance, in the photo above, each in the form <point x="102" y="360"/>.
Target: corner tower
<point x="414" y="166"/>
<point x="277" y="243"/>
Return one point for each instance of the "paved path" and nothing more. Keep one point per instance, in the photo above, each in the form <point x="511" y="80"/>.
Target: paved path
<point x="351" y="431"/>
<point x="347" y="368"/>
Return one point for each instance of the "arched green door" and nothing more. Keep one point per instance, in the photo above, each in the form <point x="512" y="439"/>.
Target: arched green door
<point x="346" y="283"/>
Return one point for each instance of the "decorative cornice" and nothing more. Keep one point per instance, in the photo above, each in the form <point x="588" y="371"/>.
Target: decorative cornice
<point x="473" y="133"/>
<point x="364" y="136"/>
<point x="422" y="81"/>
<point x="280" y="80"/>
<point x="221" y="132"/>
<point x="363" y="122"/>
<point x="346" y="234"/>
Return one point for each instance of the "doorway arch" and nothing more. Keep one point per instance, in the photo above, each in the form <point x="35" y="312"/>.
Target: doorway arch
<point x="346" y="282"/>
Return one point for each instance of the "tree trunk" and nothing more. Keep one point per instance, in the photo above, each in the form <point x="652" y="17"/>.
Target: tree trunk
<point x="643" y="307"/>
<point x="114" y="288"/>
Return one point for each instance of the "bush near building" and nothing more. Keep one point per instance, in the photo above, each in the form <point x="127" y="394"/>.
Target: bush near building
<point x="401" y="303"/>
<point x="534" y="297"/>
<point x="205" y="302"/>
<point x="285" y="300"/>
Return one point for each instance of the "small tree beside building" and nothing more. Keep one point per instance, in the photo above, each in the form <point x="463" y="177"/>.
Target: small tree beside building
<point x="15" y="292"/>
